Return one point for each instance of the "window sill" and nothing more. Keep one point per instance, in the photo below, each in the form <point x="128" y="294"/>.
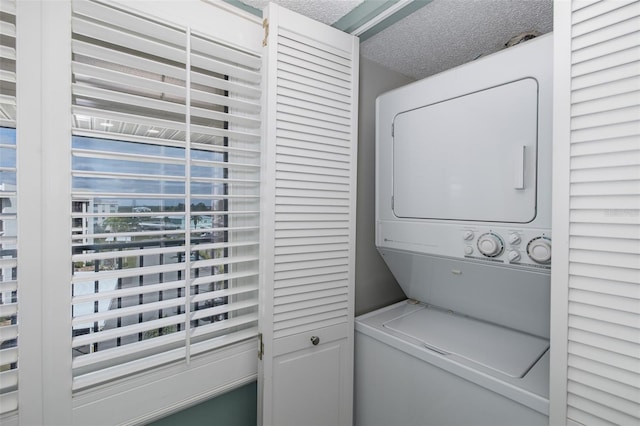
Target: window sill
<point x="162" y="391"/>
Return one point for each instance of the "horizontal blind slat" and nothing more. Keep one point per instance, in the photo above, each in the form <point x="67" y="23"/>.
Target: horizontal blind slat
<point x="303" y="43"/>
<point x="8" y="381"/>
<point x="164" y="44"/>
<point x="224" y="309"/>
<point x="9" y="402"/>
<point x="609" y="103"/>
<point x="223" y="277"/>
<point x="225" y="292"/>
<point x="606" y="89"/>
<point x="620" y="409"/>
<point x="610" y="287"/>
<point x="291" y="329"/>
<point x="607" y="61"/>
<point x="130" y="310"/>
<point x="606" y="118"/>
<point x="8" y="355"/>
<point x="606" y="159"/>
<point x="628" y="364"/>
<point x="605" y="47"/>
<point x="127" y="291"/>
<point x="603" y="342"/>
<point x="621" y="260"/>
<point x="114" y="333"/>
<point x="8" y="286"/>
<point x="607" y="26"/>
<point x="604" y="370"/>
<point x="587" y="305"/>
<point x="218" y="50"/>
<point x="597" y="9"/>
<point x="597" y="326"/>
<point x="246" y="322"/>
<point x="604" y="271"/>
<point x="610" y="245"/>
<point x="293" y="276"/>
<point x="199" y="60"/>
<point x="323" y="286"/>
<point x="585" y="418"/>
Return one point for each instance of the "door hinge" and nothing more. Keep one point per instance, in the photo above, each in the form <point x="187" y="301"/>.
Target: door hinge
<point x="265" y="25"/>
<point x="260" y="347"/>
<point x="393" y="130"/>
<point x="392" y="202"/>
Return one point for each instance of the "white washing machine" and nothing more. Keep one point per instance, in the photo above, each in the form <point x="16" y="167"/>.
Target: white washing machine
<point x="463" y="216"/>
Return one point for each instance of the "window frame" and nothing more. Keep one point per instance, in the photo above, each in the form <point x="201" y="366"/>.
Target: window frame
<point x="44" y="66"/>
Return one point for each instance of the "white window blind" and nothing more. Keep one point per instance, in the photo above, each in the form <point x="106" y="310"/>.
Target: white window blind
<point x="8" y="236"/>
<point x="165" y="193"/>
<point x="604" y="233"/>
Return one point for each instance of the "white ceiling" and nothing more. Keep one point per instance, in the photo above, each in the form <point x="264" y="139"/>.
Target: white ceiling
<point x="441" y="35"/>
<point x="325" y="11"/>
<point x="447" y="33"/>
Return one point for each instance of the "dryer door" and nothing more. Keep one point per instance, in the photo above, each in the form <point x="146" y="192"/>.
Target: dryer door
<point x="470" y="158"/>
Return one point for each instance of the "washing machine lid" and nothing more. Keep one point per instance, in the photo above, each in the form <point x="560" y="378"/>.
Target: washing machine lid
<point x="508" y="351"/>
<point x="470" y="158"/>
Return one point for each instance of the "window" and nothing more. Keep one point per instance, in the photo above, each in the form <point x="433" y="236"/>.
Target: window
<point x="8" y="219"/>
<point x="165" y="201"/>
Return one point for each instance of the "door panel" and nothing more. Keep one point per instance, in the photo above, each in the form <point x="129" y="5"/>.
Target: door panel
<point x="310" y="381"/>
<point x="308" y="222"/>
<point x="469" y="158"/>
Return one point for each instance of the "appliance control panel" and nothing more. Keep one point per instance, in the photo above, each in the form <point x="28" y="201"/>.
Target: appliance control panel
<point x="518" y="247"/>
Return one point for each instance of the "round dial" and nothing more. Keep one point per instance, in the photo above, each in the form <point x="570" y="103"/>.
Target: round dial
<point x="468" y="235"/>
<point x="490" y="245"/>
<point x="539" y="250"/>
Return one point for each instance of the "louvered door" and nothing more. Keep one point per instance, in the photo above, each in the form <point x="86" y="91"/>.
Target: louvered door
<point x="309" y="168"/>
<point x="602" y="306"/>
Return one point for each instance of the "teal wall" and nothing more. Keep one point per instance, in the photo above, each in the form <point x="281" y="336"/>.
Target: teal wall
<point x="234" y="408"/>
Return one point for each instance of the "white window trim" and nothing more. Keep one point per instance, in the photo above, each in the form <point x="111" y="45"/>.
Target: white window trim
<point x="560" y="219"/>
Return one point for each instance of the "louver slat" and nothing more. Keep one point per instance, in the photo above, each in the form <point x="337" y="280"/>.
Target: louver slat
<point x="609" y="372"/>
<point x="603" y="373"/>
<point x="606" y="27"/>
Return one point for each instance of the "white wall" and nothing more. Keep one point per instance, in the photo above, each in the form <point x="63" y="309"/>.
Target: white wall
<point x="375" y="286"/>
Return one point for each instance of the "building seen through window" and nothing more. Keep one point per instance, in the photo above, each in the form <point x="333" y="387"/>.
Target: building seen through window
<point x="8" y="247"/>
<point x="135" y="219"/>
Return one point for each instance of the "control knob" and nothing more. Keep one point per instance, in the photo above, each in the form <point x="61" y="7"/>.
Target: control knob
<point x="539" y="250"/>
<point x="490" y="245"/>
<point x="513" y="256"/>
<point x="514" y="238"/>
<point x="468" y="235"/>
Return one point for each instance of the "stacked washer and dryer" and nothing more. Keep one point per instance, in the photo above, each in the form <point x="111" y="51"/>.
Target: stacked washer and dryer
<point x="463" y="216"/>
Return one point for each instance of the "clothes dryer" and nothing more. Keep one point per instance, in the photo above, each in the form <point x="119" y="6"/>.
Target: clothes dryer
<point x="463" y="220"/>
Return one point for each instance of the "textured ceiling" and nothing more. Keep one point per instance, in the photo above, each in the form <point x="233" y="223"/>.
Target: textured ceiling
<point x="441" y="35"/>
<point x="326" y="11"/>
<point x="447" y="33"/>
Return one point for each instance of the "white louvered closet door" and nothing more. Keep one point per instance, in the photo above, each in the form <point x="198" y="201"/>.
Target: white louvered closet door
<point x="308" y="242"/>
<point x="603" y="333"/>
